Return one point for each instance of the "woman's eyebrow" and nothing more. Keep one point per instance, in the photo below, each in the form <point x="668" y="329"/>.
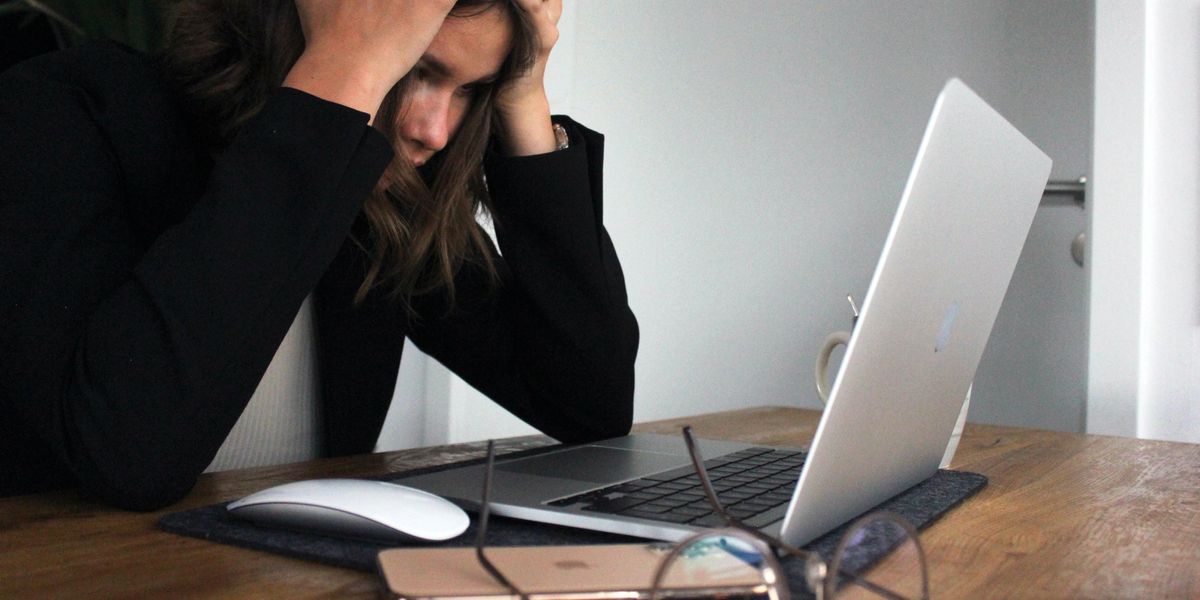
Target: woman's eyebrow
<point x="441" y="69"/>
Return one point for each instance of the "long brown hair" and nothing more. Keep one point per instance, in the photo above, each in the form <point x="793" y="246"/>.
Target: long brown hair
<point x="227" y="56"/>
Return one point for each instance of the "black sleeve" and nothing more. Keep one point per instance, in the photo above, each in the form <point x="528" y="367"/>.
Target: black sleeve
<point x="130" y="362"/>
<point x="555" y="344"/>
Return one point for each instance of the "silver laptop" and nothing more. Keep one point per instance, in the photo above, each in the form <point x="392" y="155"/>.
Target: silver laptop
<point x="962" y="221"/>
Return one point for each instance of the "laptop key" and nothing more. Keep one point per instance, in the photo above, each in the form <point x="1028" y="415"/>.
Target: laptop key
<point x="650" y="508"/>
<point x="667" y="503"/>
<point x="614" y="505"/>
<point x="585" y="498"/>
<point x="766" y="518"/>
<point x="693" y="511"/>
<point x="735" y="494"/>
<point x="758" y="505"/>
<point x="642" y="495"/>
<point x="658" y="490"/>
<point x="674" y="486"/>
<point x="711" y="520"/>
<point x="724" y="471"/>
<point x="672" y="474"/>
<point x="742" y="512"/>
<point x="671" y="517"/>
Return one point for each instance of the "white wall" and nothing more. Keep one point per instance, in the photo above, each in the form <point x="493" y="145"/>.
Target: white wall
<point x="756" y="152"/>
<point x="756" y="155"/>
<point x="1145" y="342"/>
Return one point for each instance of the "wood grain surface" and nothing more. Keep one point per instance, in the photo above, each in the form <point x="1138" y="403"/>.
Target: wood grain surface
<point x="1064" y="516"/>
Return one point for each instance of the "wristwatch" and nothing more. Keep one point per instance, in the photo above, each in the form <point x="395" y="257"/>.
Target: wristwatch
<point x="560" y="137"/>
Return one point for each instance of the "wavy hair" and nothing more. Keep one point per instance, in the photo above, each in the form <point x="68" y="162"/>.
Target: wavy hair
<point x="227" y="56"/>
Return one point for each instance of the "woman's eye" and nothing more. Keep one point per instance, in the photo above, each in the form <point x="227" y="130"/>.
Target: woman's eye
<point x="467" y="91"/>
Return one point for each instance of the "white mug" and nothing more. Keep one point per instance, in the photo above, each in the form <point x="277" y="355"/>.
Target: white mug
<point x="821" y="380"/>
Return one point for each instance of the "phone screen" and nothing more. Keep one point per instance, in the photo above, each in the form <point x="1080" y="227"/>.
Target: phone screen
<point x="706" y="569"/>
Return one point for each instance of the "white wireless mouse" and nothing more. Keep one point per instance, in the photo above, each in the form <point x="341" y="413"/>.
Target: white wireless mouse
<point x="354" y="508"/>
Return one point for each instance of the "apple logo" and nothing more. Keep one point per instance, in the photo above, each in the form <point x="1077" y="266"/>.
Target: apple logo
<point x="943" y="336"/>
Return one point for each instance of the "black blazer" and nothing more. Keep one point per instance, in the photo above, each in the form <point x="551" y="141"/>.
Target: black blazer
<point x="145" y="285"/>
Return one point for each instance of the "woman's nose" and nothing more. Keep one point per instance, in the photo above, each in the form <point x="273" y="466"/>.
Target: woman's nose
<point x="430" y="118"/>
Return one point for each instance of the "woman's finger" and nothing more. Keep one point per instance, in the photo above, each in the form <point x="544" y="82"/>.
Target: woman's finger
<point x="551" y="10"/>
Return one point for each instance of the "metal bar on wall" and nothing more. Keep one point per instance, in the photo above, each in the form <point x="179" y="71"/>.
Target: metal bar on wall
<point x="1059" y="190"/>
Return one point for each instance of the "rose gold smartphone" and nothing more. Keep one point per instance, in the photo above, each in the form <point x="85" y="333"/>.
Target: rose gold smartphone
<point x="574" y="572"/>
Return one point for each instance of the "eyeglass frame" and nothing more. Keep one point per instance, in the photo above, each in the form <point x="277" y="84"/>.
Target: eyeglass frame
<point x="816" y="569"/>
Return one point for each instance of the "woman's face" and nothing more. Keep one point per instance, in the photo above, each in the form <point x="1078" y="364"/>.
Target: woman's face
<point x="466" y="53"/>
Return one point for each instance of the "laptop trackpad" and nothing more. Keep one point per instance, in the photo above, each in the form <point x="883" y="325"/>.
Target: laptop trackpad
<point x="595" y="464"/>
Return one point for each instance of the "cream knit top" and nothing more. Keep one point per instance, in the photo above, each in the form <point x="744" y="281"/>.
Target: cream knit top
<point x="281" y="424"/>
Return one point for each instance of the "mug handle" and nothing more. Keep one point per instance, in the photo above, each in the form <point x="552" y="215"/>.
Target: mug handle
<point x="820" y="371"/>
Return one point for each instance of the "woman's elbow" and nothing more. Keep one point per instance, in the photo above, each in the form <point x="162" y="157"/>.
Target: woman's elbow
<point x="140" y="487"/>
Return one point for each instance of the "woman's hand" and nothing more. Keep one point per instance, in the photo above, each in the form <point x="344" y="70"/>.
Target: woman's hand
<point x="355" y="52"/>
<point x="522" y="105"/>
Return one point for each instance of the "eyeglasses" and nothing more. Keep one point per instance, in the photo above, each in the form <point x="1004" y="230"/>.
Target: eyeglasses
<point x="884" y="543"/>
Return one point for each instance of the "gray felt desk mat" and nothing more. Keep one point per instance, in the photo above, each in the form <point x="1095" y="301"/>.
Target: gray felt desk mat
<point x="922" y="504"/>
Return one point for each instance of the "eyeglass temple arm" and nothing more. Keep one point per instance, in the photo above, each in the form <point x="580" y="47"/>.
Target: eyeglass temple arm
<point x="481" y="534"/>
<point x="711" y="493"/>
<point x="702" y="473"/>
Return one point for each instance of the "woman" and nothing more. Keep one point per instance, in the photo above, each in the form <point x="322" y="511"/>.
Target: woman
<point x="164" y="222"/>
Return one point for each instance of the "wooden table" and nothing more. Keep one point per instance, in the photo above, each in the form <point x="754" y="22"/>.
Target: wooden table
<point x="1064" y="515"/>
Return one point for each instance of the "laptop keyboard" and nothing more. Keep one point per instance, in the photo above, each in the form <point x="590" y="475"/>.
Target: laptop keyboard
<point x="754" y="485"/>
